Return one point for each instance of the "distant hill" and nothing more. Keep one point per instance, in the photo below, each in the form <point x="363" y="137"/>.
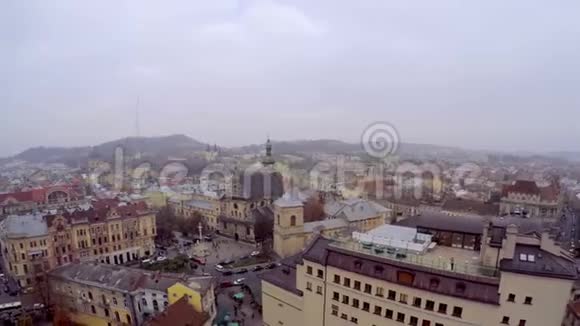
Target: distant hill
<point x="174" y="145"/>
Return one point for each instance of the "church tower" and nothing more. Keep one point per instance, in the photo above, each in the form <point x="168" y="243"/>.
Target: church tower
<point x="289" y="235"/>
<point x="268" y="159"/>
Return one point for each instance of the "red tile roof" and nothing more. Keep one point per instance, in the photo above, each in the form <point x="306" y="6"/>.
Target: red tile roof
<point x="549" y="193"/>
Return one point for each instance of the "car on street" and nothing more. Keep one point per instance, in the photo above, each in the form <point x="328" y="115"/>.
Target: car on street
<point x="147" y="261"/>
<point x="226" y="284"/>
<point x="239" y="281"/>
<point x="219" y="267"/>
<point x="242" y="271"/>
<point x="227" y="273"/>
<point x="272" y="266"/>
<point x="257" y="268"/>
<point x="199" y="260"/>
<point x="227" y="262"/>
<point x="161" y="258"/>
<point x="255" y="253"/>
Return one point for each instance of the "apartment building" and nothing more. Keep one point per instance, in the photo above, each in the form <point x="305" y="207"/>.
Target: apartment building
<point x="516" y="279"/>
<point x="44" y="198"/>
<point x="101" y="294"/>
<point x="526" y="198"/>
<point x="109" y="231"/>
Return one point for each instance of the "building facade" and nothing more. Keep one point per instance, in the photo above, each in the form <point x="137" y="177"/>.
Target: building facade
<point x="292" y="233"/>
<point x="100" y="294"/>
<point x="516" y="279"/>
<point x="109" y="232"/>
<point x="526" y="198"/>
<point x="39" y="199"/>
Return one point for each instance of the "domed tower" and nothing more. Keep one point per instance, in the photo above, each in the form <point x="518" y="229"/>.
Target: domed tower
<point x="262" y="181"/>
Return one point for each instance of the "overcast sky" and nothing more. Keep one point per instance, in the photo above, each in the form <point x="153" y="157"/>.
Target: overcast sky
<point x="491" y="74"/>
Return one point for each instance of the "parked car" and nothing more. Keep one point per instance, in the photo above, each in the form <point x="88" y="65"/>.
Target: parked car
<point x="242" y="271"/>
<point x="199" y="260"/>
<point x="257" y="268"/>
<point x="255" y="253"/>
<point x="272" y="266"/>
<point x="239" y="281"/>
<point x="226" y="284"/>
<point x="147" y="261"/>
<point x="161" y="258"/>
<point x="227" y="273"/>
<point x="208" y="238"/>
<point x="219" y="267"/>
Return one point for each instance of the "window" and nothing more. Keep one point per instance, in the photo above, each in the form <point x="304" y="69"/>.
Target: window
<point x="405" y="278"/>
<point x="93" y="310"/>
<point x="107" y="312"/>
<point x="308" y="286"/>
<point x="319" y="289"/>
<point x="357" y="285"/>
<point x="417" y="302"/>
<point x="320" y="273"/>
<point x="403" y="298"/>
<point x="128" y="319"/>
<point x="380" y="292"/>
<point x="522" y="322"/>
<point x="309" y="270"/>
<point x="505" y="320"/>
<point x="528" y="300"/>
<point x="355" y="303"/>
<point x="414" y="321"/>
<point x="378" y="310"/>
<point x="379" y="269"/>
<point x="345" y="299"/>
<point x="511" y="297"/>
<point x="335" y="296"/>
<point x="114" y="300"/>
<point x="334" y="310"/>
<point x="366" y="306"/>
<point x="460" y="288"/>
<point x="430" y="305"/>
<point x="389" y="314"/>
<point x="347" y="282"/>
<point x="344" y="316"/>
<point x="442" y="308"/>
<point x="90" y="295"/>
<point x="400" y="317"/>
<point x="117" y="317"/>
<point x="392" y="295"/>
<point x="354" y="320"/>
<point x="457" y="312"/>
<point x="428" y="323"/>
<point x="293" y="220"/>
<point x="434" y="283"/>
<point x="336" y="279"/>
<point x="368" y="288"/>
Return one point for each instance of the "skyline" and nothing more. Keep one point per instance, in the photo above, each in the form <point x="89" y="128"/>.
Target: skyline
<point x="493" y="76"/>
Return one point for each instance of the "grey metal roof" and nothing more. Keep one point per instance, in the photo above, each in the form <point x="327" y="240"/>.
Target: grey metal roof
<point x="544" y="263"/>
<point x="203" y="204"/>
<point x="25" y="226"/>
<point x="472" y="224"/>
<point x="354" y="209"/>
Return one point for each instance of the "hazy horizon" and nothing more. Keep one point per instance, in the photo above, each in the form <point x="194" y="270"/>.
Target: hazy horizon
<point x="493" y="75"/>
